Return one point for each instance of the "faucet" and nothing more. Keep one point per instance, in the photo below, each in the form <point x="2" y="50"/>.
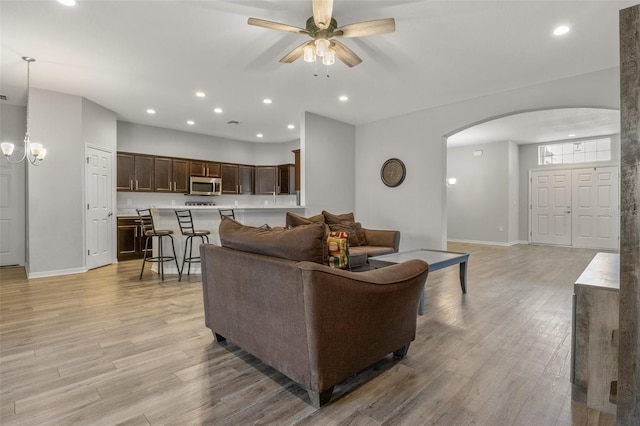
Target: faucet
<point x="274" y="198"/>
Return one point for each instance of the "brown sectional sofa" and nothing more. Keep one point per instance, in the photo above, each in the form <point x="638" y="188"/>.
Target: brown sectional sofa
<point x="363" y="243"/>
<point x="268" y="292"/>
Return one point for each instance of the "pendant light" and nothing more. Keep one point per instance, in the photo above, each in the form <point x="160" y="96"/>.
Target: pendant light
<point x="33" y="151"/>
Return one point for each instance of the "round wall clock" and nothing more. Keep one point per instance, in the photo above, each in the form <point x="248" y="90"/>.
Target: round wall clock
<point x="393" y="172"/>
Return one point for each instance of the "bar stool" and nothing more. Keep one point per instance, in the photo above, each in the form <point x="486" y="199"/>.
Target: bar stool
<point x="150" y="231"/>
<point x="185" y="220"/>
<point x="226" y="213"/>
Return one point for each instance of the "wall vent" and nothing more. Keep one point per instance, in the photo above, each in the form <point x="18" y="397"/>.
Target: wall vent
<point x="233" y="122"/>
<point x="3" y="97"/>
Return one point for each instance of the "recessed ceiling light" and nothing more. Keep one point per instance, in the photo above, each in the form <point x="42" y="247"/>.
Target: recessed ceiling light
<point x="259" y="135"/>
<point x="343" y="98"/>
<point x="67" y="2"/>
<point x="217" y="110"/>
<point x="571" y="135"/>
<point x="291" y="126"/>
<point x="266" y="101"/>
<point x="201" y="94"/>
<point x="561" y="30"/>
<point x="151" y="111"/>
<point x="191" y="122"/>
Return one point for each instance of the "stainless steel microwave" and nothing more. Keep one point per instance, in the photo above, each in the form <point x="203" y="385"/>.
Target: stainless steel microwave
<point x="199" y="185"/>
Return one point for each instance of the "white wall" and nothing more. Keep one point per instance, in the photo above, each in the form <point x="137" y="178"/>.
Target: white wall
<point x="418" y="207"/>
<point x="328" y="158"/>
<point x="514" y="194"/>
<point x="98" y="126"/>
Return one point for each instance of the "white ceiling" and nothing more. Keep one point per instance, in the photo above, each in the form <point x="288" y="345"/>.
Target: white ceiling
<point x="541" y="126"/>
<point x="132" y="55"/>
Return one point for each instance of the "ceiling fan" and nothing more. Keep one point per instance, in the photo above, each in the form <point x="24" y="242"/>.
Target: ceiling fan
<point x="322" y="27"/>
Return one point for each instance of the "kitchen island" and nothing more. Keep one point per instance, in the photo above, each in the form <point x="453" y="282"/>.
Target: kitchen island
<point x="208" y="218"/>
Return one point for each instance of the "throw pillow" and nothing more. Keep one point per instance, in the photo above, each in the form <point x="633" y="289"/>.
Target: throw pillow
<point x="349" y="228"/>
<point x="337" y="218"/>
<point x="337" y="243"/>
<point x="305" y="242"/>
<point x="362" y="235"/>
<point x="293" y="220"/>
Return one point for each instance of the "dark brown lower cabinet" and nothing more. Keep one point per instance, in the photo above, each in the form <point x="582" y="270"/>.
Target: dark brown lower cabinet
<point x="130" y="238"/>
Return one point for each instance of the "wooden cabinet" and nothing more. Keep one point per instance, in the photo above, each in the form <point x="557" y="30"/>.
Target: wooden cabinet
<point x="266" y="179"/>
<point x="230" y="178"/>
<point x="296" y="154"/>
<point x="245" y="179"/>
<point x="135" y="172"/>
<point x="130" y="238"/>
<point x="286" y="179"/>
<point x="171" y="175"/>
<point x="203" y="168"/>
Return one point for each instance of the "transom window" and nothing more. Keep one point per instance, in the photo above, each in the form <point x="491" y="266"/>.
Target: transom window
<point x="585" y="151"/>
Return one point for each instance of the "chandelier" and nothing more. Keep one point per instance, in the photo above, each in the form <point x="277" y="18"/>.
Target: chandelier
<point x="34" y="152"/>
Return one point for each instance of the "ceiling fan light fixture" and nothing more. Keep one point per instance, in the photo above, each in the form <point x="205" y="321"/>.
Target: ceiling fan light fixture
<point x="322" y="45"/>
<point x="329" y="57"/>
<point x="309" y="53"/>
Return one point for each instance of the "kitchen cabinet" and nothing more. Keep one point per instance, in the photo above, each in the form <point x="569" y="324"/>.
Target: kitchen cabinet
<point x="204" y="168"/>
<point x="171" y="175"/>
<point x="265" y="179"/>
<point x="286" y="179"/>
<point x="230" y="178"/>
<point x="245" y="179"/>
<point x="296" y="154"/>
<point x="130" y="238"/>
<point x="135" y="172"/>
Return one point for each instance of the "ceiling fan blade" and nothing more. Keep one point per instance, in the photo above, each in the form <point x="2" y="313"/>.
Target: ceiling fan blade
<point x="345" y="54"/>
<point x="276" y="26"/>
<point x="322" y="10"/>
<point x="368" y="28"/>
<point x="295" y="53"/>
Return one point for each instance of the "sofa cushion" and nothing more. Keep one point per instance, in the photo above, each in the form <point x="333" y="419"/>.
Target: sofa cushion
<point x="304" y="242"/>
<point x="338" y="218"/>
<point x="370" y="250"/>
<point x="293" y="220"/>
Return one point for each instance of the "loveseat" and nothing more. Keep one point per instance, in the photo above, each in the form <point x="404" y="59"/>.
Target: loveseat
<point x="363" y="242"/>
<point x="268" y="292"/>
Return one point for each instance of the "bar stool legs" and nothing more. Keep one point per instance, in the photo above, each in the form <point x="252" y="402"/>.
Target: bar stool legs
<point x="190" y="259"/>
<point x="185" y="220"/>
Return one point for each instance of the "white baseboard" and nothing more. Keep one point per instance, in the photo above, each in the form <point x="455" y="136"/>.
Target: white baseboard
<point x="488" y="243"/>
<point x="31" y="275"/>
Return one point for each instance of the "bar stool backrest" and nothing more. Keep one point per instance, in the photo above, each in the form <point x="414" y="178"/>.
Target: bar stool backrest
<point x="185" y="220"/>
<point x="227" y="213"/>
<point x="146" y="220"/>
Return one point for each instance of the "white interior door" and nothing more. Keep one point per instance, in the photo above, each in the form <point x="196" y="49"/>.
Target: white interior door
<point x="12" y="213"/>
<point x="100" y="219"/>
<point x="596" y="219"/>
<point x="551" y="207"/>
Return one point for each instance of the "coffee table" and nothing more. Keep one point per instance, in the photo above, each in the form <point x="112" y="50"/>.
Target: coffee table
<point x="437" y="259"/>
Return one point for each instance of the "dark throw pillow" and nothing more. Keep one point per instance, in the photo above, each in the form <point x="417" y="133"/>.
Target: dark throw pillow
<point x="337" y="218"/>
<point x="350" y="229"/>
<point x="293" y="220"/>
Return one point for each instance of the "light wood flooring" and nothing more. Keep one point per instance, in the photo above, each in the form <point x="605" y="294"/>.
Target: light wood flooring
<point x="103" y="348"/>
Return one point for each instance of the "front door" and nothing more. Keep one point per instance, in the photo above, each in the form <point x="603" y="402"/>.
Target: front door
<point x="595" y="208"/>
<point x="100" y="219"/>
<point x="551" y="207"/>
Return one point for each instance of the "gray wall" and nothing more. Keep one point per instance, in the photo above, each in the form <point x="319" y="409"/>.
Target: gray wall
<point x="327" y="157"/>
<point x="514" y="194"/>
<point x="98" y="126"/>
<point x="478" y="204"/>
<point x="418" y="207"/>
<point x="55" y="189"/>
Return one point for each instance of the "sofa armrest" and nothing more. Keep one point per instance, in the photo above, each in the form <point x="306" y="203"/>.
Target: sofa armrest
<point x="383" y="238"/>
<point x="355" y="319"/>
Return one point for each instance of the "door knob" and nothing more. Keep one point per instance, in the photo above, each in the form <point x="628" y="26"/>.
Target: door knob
<point x="109" y="214"/>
